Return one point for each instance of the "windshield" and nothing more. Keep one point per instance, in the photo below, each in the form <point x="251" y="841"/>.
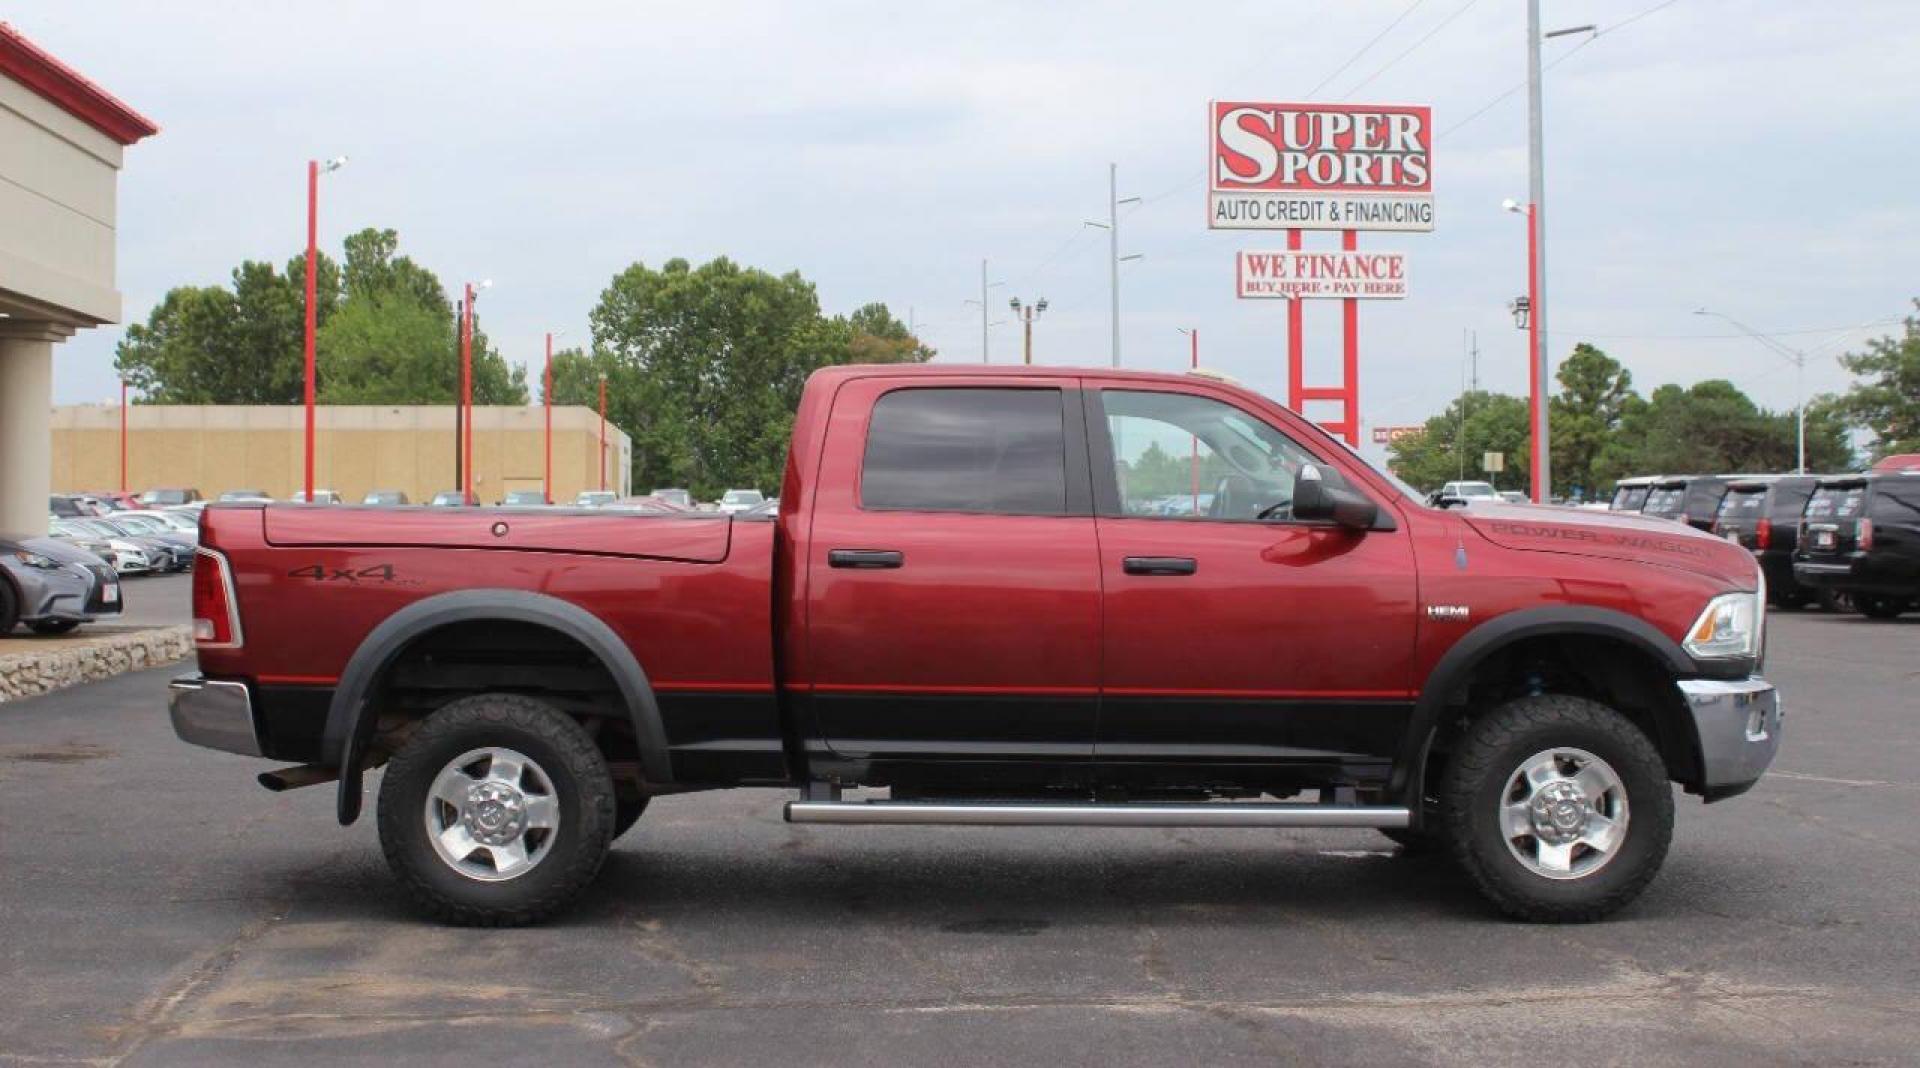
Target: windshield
<point x="1472" y="489"/>
<point x="1629" y="498"/>
<point x="743" y="497"/>
<point x="1742" y="506"/>
<point x="1666" y="500"/>
<point x="1836" y="502"/>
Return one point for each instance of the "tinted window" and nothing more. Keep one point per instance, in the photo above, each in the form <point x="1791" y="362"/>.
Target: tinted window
<point x="1666" y="500"/>
<point x="1742" y="506"/>
<point x="1896" y="502"/>
<point x="1629" y="498"/>
<point x="967" y="450"/>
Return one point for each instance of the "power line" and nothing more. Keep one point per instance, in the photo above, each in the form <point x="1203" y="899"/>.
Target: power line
<point x="1562" y="332"/>
<point x="1342" y="68"/>
<point x="1411" y="49"/>
<point x="1563" y="57"/>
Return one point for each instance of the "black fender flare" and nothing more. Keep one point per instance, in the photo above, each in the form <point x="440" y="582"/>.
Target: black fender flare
<point x="1483" y="641"/>
<point x="351" y="720"/>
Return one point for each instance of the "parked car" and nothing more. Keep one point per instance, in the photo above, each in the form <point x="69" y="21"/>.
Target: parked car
<point x="448" y="499"/>
<point x="64" y="507"/>
<point x="167" y="498"/>
<point x="1465" y="492"/>
<point x="244" y="495"/>
<point x="1516" y="497"/>
<point x="183" y="521"/>
<point x="678" y="496"/>
<point x="1630" y="494"/>
<point x="163" y="554"/>
<point x="961" y="607"/>
<point x="1899" y="461"/>
<point x="1690" y="499"/>
<point x="739" y="500"/>
<point x="385" y="498"/>
<point x="320" y="496"/>
<point x="149" y="525"/>
<point x="599" y="498"/>
<point x="524" y="498"/>
<point x="129" y="557"/>
<point x="1763" y="515"/>
<point x="53" y="587"/>
<point x="1860" y="536"/>
<point x="116" y="501"/>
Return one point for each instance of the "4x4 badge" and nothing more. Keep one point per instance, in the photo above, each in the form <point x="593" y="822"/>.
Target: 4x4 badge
<point x="1447" y="611"/>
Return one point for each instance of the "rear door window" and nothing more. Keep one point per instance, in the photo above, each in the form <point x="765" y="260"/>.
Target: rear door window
<point x="1830" y="503"/>
<point x="1742" y="507"/>
<point x="986" y="450"/>
<point x="1666" y="500"/>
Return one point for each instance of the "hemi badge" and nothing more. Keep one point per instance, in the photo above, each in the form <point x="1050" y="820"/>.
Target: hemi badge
<point x="1447" y="611"/>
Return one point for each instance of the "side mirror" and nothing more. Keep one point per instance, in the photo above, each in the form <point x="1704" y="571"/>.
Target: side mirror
<point x="1314" y="500"/>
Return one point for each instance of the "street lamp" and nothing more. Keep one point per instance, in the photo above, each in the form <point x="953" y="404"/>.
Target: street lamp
<point x="1529" y="316"/>
<point x="546" y="397"/>
<point x="314" y="169"/>
<point x="1799" y="361"/>
<point x="466" y="381"/>
<point x="1027" y="314"/>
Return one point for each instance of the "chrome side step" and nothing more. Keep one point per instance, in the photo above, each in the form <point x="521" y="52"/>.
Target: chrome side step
<point x="1141" y="814"/>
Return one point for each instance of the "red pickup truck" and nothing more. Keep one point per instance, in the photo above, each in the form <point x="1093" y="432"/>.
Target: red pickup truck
<point x="1007" y="597"/>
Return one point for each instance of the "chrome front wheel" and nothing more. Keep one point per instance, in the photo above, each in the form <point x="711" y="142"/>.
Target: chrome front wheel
<point x="1564" y="813"/>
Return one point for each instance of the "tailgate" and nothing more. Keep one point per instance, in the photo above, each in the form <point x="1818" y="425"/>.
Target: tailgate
<point x="698" y="539"/>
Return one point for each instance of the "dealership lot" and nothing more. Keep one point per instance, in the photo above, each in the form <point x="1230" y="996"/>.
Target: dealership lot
<point x="162" y="909"/>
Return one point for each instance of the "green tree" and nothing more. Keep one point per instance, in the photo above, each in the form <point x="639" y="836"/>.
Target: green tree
<point x="1595" y="394"/>
<point x="1714" y="428"/>
<point x="1451" y="446"/>
<point x="704" y="367"/>
<point x="1887" y="404"/>
<point x="239" y="345"/>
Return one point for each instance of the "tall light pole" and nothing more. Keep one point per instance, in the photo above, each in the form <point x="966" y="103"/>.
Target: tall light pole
<point x="1112" y="227"/>
<point x="314" y="167"/>
<point x="1799" y="361"/>
<point x="603" y="432"/>
<point x="1027" y="313"/>
<point x="1527" y="315"/>
<point x="466" y="382"/>
<point x="546" y="397"/>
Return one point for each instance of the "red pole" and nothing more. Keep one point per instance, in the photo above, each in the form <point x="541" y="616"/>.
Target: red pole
<point x="603" y="433"/>
<point x="1350" y="325"/>
<point x="313" y="223"/>
<point x="1296" y="378"/>
<point x="466" y="387"/>
<point x="123" y="435"/>
<point x="1533" y="360"/>
<point x="546" y="393"/>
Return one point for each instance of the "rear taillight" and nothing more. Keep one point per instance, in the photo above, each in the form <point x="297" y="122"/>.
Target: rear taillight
<point x="1865" y="536"/>
<point x="216" y="615"/>
<point x="1763" y="533"/>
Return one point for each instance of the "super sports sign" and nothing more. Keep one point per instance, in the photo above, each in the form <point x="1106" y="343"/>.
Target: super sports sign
<point x="1319" y="167"/>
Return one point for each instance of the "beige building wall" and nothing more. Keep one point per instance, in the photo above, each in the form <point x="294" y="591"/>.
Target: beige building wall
<point x="216" y="448"/>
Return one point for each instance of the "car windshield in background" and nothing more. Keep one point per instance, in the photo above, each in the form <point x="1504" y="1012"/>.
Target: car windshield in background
<point x="524" y="497"/>
<point x="165" y="497"/>
<point x="743" y="497"/>
<point x="1742" y="506"/>
<point x="1630" y="498"/>
<point x="1666" y="501"/>
<point x="1474" y="489"/>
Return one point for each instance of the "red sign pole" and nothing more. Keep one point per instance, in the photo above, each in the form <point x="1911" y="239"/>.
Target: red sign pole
<point x="123" y="435"/>
<point x="313" y="221"/>
<point x="1350" y="314"/>
<point x="466" y="388"/>
<point x="1296" y="377"/>
<point x="546" y="394"/>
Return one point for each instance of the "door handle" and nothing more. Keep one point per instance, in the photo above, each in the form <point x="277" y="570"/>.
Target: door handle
<point x="1159" y="565"/>
<point x="865" y="559"/>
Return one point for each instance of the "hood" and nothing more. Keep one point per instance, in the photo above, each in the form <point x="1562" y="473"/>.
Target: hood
<point x="1614" y="535"/>
<point x="53" y="548"/>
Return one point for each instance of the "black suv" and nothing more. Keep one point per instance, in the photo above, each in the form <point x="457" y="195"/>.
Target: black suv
<point x="1763" y="514"/>
<point x="1860" y="536"/>
<point x="1691" y="499"/>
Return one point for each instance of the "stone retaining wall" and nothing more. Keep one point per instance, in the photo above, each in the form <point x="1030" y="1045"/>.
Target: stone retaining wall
<point x="41" y="665"/>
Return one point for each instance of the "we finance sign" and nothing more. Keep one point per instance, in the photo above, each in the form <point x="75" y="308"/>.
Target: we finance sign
<point x="1319" y="167"/>
<point x="1302" y="275"/>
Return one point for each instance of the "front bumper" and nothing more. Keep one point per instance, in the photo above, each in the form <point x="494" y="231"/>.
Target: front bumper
<point x="214" y="714"/>
<point x="1738" y="723"/>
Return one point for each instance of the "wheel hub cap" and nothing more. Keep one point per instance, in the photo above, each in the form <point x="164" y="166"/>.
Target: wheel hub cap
<point x="495" y="814"/>
<point x="1564" y="813"/>
<point x="492" y="814"/>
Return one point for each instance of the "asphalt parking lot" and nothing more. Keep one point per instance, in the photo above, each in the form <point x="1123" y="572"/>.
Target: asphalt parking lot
<point x="162" y="909"/>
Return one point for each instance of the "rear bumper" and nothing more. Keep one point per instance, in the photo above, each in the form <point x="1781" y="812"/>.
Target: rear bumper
<point x="1855" y="574"/>
<point x="1738" y="723"/>
<point x="214" y="714"/>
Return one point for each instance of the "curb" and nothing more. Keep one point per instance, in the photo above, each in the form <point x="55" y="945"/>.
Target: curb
<point x="53" y="664"/>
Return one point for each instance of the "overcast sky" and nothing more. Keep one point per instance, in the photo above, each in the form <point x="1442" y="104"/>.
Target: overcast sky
<point x="1754" y="157"/>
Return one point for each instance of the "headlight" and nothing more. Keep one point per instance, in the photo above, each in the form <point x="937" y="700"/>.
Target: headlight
<point x="1730" y="627"/>
<point x="33" y="559"/>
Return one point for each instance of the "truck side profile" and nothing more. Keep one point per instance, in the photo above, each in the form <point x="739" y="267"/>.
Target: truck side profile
<point x="974" y="601"/>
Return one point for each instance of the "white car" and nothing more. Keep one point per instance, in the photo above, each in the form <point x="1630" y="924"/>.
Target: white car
<point x="740" y="500"/>
<point x="1466" y="492"/>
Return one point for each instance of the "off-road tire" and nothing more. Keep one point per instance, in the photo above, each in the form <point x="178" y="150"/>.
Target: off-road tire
<point x="1875" y="607"/>
<point x="53" y="626"/>
<point x="581" y="782"/>
<point x="1494" y="746"/>
<point x="626" y="814"/>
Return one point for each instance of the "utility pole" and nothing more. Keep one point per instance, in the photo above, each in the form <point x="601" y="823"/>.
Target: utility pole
<point x="1537" y="219"/>
<point x="984" y="286"/>
<point x="1112" y="227"/>
<point x="1027" y="313"/>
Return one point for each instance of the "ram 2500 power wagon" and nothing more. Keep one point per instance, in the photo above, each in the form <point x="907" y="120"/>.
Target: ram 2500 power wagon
<point x="1006" y="597"/>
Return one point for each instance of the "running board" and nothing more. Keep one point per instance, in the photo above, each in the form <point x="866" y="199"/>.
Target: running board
<point x="1141" y="814"/>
